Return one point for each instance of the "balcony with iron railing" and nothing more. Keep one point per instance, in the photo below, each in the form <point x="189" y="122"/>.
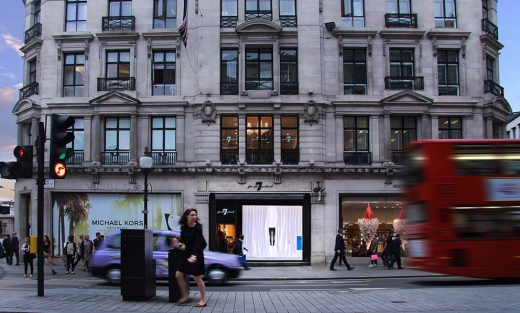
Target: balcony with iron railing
<point x="33" y="32"/>
<point x="228" y="21"/>
<point x="29" y="90"/>
<point x="259" y="156"/>
<point x="288" y="88"/>
<point x="490" y="28"/>
<point x="164" y="157"/>
<point x="259" y="15"/>
<point x="288" y="20"/>
<point x="407" y="83"/>
<point x="290" y="156"/>
<point x="398" y="157"/>
<point x="494" y="88"/>
<point x="76" y="159"/>
<point x="118" y="22"/>
<point x="229" y="88"/>
<point x="107" y="84"/>
<point x="115" y="157"/>
<point x="229" y="156"/>
<point x="400" y="20"/>
<point x="357" y="157"/>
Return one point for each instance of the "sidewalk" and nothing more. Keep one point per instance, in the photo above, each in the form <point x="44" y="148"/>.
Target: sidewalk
<point x="361" y="270"/>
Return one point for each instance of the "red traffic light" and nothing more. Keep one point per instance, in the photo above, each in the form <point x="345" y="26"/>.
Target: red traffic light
<point x="19" y="152"/>
<point x="59" y="170"/>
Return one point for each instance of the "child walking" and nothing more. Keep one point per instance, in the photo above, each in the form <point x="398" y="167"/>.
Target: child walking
<point x="27" y="256"/>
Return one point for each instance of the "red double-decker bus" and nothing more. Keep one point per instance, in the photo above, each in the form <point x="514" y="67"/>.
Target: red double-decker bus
<point x="463" y="207"/>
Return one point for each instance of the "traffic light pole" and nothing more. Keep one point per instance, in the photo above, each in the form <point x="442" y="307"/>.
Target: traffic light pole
<point x="40" y="182"/>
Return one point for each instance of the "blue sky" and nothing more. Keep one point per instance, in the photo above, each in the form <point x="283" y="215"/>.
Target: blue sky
<point x="11" y="67"/>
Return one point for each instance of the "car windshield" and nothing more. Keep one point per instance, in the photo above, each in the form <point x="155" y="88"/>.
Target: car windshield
<point x="114" y="241"/>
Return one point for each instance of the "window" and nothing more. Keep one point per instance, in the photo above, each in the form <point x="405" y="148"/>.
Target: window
<point x="76" y="19"/>
<point x="119" y="16"/>
<point x="163" y="140"/>
<point x="288" y="71"/>
<point x="73" y="75"/>
<point x="117" y="140"/>
<point x="514" y="132"/>
<point x="485" y="9"/>
<point x="259" y="69"/>
<point x="448" y="68"/>
<point x="229" y="72"/>
<point x="353" y="13"/>
<point x="165" y="14"/>
<point x="354" y="71"/>
<point x="398" y="6"/>
<point x="164" y="73"/>
<point x="120" y="8"/>
<point x="450" y="128"/>
<point x="445" y="14"/>
<point x="490" y="68"/>
<point x="259" y="146"/>
<point x="78" y="144"/>
<point x="37" y="12"/>
<point x="288" y="13"/>
<point x="229" y="139"/>
<point x="258" y="9"/>
<point x="117" y="75"/>
<point x="356" y="140"/>
<point x="403" y="131"/>
<point x="399" y="14"/>
<point x="32" y="86"/>
<point x="402" y="70"/>
<point x="229" y="13"/>
<point x="290" y="139"/>
<point x="32" y="71"/>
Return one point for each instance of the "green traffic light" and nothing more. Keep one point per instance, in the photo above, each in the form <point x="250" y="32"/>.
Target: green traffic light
<point x="69" y="152"/>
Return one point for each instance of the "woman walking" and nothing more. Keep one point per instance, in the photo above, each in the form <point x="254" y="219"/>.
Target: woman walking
<point x="192" y="262"/>
<point x="47" y="253"/>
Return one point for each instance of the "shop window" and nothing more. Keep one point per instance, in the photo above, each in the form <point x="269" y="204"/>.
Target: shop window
<point x="289" y="139"/>
<point x="450" y="128"/>
<point x="259" y="140"/>
<point x="229" y="139"/>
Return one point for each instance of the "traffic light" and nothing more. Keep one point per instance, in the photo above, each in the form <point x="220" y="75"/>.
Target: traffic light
<point x="60" y="137"/>
<point x="24" y="156"/>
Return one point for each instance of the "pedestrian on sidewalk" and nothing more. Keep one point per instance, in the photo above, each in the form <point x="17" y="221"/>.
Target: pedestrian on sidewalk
<point x="79" y="251"/>
<point x="192" y="262"/>
<point x="7" y="247"/>
<point x="339" y="251"/>
<point x="14" y="247"/>
<point x="385" y="256"/>
<point x="98" y="240"/>
<point x="373" y="252"/>
<point x="239" y="250"/>
<point x="395" y="252"/>
<point x="88" y="247"/>
<point x="27" y="256"/>
<point x="47" y="253"/>
<point x="69" y="250"/>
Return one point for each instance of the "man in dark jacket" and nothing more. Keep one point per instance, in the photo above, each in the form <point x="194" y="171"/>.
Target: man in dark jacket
<point x="7" y="248"/>
<point x="15" y="248"/>
<point x="395" y="252"/>
<point x="239" y="250"/>
<point x="339" y="251"/>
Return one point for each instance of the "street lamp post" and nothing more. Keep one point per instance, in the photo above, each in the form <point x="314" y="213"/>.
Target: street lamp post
<point x="146" y="163"/>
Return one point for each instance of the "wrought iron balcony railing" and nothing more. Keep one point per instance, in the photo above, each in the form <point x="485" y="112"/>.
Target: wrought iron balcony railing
<point x="259" y="15"/>
<point x="76" y="159"/>
<point x="107" y="84"/>
<point x="259" y="156"/>
<point x="118" y="22"/>
<point x="289" y="88"/>
<point x="33" y="32"/>
<point x="408" y="83"/>
<point x="29" y="90"/>
<point x="115" y="157"/>
<point x="228" y="21"/>
<point x="494" y="88"/>
<point x="164" y="157"/>
<point x="398" y="157"/>
<point x="290" y="156"/>
<point x="288" y="20"/>
<point x="400" y="20"/>
<point x="229" y="88"/>
<point x="229" y="156"/>
<point x="357" y="157"/>
<point x="490" y="28"/>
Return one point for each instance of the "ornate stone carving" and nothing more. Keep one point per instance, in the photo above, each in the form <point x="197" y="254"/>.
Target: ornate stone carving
<point x="208" y="112"/>
<point x="311" y="112"/>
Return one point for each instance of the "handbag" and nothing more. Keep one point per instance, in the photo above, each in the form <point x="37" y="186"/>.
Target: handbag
<point x="373" y="257"/>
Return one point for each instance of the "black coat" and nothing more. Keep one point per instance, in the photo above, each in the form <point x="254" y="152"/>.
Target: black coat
<point x="5" y="243"/>
<point x="395" y="246"/>
<point x="237" y="249"/>
<point x="14" y="244"/>
<point x="340" y="244"/>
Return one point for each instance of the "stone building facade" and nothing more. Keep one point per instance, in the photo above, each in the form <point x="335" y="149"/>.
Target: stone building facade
<point x="279" y="119"/>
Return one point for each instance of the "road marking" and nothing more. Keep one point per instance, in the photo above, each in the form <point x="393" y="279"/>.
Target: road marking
<point x="368" y="288"/>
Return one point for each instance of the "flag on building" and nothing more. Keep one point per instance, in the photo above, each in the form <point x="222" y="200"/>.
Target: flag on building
<point x="183" y="29"/>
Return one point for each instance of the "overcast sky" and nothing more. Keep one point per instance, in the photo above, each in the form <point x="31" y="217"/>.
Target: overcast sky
<point x="11" y="66"/>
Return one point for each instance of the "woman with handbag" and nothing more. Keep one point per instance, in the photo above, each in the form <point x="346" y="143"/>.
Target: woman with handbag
<point x="192" y="262"/>
<point x="373" y="252"/>
<point x="27" y="256"/>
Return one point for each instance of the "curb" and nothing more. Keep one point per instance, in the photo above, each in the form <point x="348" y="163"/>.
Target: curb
<point x="334" y="278"/>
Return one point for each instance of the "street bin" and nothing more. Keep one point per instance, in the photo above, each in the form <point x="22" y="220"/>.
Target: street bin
<point x="174" y="258"/>
<point x="137" y="265"/>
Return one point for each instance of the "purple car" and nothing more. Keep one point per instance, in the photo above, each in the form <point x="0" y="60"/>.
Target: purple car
<point x="106" y="260"/>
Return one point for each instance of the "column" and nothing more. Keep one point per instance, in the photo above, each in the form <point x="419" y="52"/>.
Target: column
<point x="144" y="140"/>
<point x="95" y="140"/>
<point x="34" y="131"/>
<point x="242" y="137"/>
<point x="375" y="139"/>
<point x="180" y="135"/>
<point x="426" y="131"/>
<point x="87" y="134"/>
<point x="488" y="126"/>
<point x="386" y="154"/>
<point x="338" y="121"/>
<point x="435" y="127"/>
<point x="277" y="133"/>
<point x="133" y="137"/>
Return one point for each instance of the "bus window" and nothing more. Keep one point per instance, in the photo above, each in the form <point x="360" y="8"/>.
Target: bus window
<point x="483" y="223"/>
<point x="416" y="213"/>
<point x="414" y="167"/>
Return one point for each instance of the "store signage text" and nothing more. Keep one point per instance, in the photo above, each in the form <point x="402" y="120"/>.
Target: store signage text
<point x="225" y="212"/>
<point x="116" y="223"/>
<point x="259" y="185"/>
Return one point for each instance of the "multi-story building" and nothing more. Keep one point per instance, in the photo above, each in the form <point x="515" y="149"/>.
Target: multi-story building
<point x="279" y="119"/>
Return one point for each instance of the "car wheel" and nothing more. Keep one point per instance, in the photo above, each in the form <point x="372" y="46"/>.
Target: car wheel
<point x="216" y="275"/>
<point x="114" y="275"/>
